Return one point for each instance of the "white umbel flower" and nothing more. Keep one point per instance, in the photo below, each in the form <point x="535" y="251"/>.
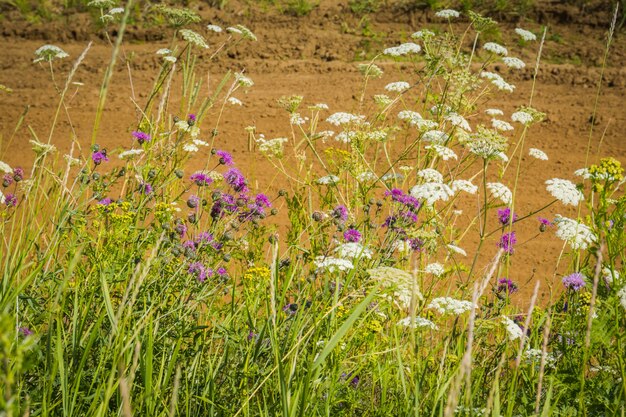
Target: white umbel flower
<point x="448" y="14"/>
<point x="494" y="112"/>
<point x="495" y="48"/>
<point x="353" y="250"/>
<point x="609" y="275"/>
<point x="513" y="62"/>
<point x="430" y="175"/>
<point x="448" y="305"/>
<point x="538" y="154"/>
<point x="404" y="49"/>
<point x="456" y="249"/>
<point x="131" y="153"/>
<point x="512" y="329"/>
<point x="328" y="180"/>
<point x="621" y="294"/>
<point x="432" y="192"/>
<point x="578" y="235"/>
<point x="501" y="125"/>
<point x="526" y="34"/>
<point x="330" y="264"/>
<point x="501" y="192"/>
<point x="48" y="53"/>
<point x="398" y="86"/>
<point x="342" y="118"/>
<point x="417" y="323"/>
<point x="243" y="81"/>
<point x="435" y="268"/>
<point x="190" y="147"/>
<point x="459" y="121"/>
<point x="498" y="81"/>
<point x="464" y="185"/>
<point x="272" y="147"/>
<point x="164" y="51"/>
<point x="214" y="28"/>
<point x="194" y="38"/>
<point x="423" y="34"/>
<point x="443" y="152"/>
<point x="234" y="101"/>
<point x="522" y="117"/>
<point x="565" y="191"/>
<point x="435" y="136"/>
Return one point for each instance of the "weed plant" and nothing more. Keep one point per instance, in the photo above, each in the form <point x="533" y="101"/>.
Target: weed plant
<point x="131" y="286"/>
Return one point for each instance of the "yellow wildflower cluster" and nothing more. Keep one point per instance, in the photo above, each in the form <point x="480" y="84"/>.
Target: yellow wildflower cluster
<point x="261" y="273"/>
<point x="609" y="169"/>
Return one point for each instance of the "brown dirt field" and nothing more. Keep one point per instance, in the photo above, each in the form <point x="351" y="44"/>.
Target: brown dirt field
<point x="316" y="56"/>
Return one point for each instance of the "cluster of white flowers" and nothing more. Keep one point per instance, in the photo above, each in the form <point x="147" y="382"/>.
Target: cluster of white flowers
<point x="430" y="175"/>
<point x="342" y="118"/>
<point x="243" y="81"/>
<point x="131" y="153"/>
<point x="416" y="323"/>
<point x="297" y="120"/>
<point x="190" y="147"/>
<point x="538" y="154"/>
<point x="435" y="136"/>
<point x="346" y="136"/>
<point x="435" y="268"/>
<point x="443" y="152"/>
<point x="366" y="176"/>
<point x="578" y="235"/>
<point x="456" y="249"/>
<point x="48" y="53"/>
<point x="423" y="34"/>
<point x="447" y="14"/>
<point x="398" y="86"/>
<point x="183" y="126"/>
<point x="392" y="176"/>
<point x="272" y="147"/>
<point x="194" y="38"/>
<point x="404" y="49"/>
<point x="501" y="125"/>
<point x="525" y="34"/>
<point x="448" y="305"/>
<point x="621" y="294"/>
<point x="514" y="63"/>
<point x="4" y="167"/>
<point x="431" y="192"/>
<point x="522" y="117"/>
<point x="403" y="283"/>
<point x="495" y="48"/>
<point x="501" y="192"/>
<point x="328" y="180"/>
<point x="164" y="51"/>
<point x="494" y="112"/>
<point x="457" y="120"/>
<point x="565" y="191"/>
<point x="326" y="263"/>
<point x="234" y="101"/>
<point x="512" y="329"/>
<point x="609" y="275"/>
<point x="319" y="106"/>
<point x="464" y="185"/>
<point x="214" y="28"/>
<point x="353" y="250"/>
<point x="533" y="357"/>
<point x="498" y="81"/>
<point x="243" y="31"/>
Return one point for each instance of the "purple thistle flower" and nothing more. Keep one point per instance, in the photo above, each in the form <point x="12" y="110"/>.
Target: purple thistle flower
<point x="203" y="238"/>
<point x="221" y="271"/>
<point x="191" y="117"/>
<point x="198" y="270"/>
<point x="189" y="244"/>
<point x="236" y="180"/>
<point x="193" y="201"/>
<point x="262" y="200"/>
<point x="10" y="200"/>
<point x="105" y="201"/>
<point x="18" y="174"/>
<point x="99" y="157"/>
<point x="25" y="331"/>
<point x="352" y="235"/>
<point x="146" y="188"/>
<point x="507" y="241"/>
<point x="181" y="229"/>
<point x="574" y="281"/>
<point x="340" y="212"/>
<point x="291" y="308"/>
<point x="251" y="335"/>
<point x="225" y="158"/>
<point x="504" y="215"/>
<point x="201" y="179"/>
<point x="141" y="137"/>
<point x="7" y="180"/>
<point x="544" y="223"/>
<point x="416" y="244"/>
<point x="507" y="286"/>
<point x="407" y="200"/>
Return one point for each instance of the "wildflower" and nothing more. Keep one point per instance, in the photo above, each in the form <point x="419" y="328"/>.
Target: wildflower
<point x="501" y="125"/>
<point x="456" y="249"/>
<point x="326" y="263"/>
<point x="190" y="147"/>
<point x="398" y="87"/>
<point x="578" y="235"/>
<point x="495" y="48"/>
<point x="430" y="175"/>
<point x="171" y="59"/>
<point x="370" y="70"/>
<point x="105" y="202"/>
<point x="236" y="180"/>
<point x="340" y="212"/>
<point x="198" y="270"/>
<point x="7" y="180"/>
<point x="243" y="81"/>
<point x="141" y="137"/>
<point x="435" y="268"/>
<point x="342" y="118"/>
<point x="366" y="176"/>
<point x="500" y="191"/>
<point x="513" y="62"/>
<point x="403" y="49"/>
<point x="194" y="38"/>
<point x="525" y="34"/>
<point x="234" y="30"/>
<point x="146" y="188"/>
<point x="328" y="180"/>
<point x="417" y="322"/>
<point x="98" y="157"/>
<point x="565" y="191"/>
<point x="513" y="330"/>
<point x="225" y="158"/>
<point x="506" y="286"/>
<point x="447" y="14"/>
<point x="432" y="192"/>
<point x="494" y="112"/>
<point x="443" y="152"/>
<point x="543" y="223"/>
<point x="201" y="179"/>
<point x="574" y="281"/>
<point x="448" y="305"/>
<point x="18" y="174"/>
<point x="435" y="136"/>
<point x="163" y="51"/>
<point x="49" y="53"/>
<point x="621" y="294"/>
<point x="538" y="154"/>
<point x="457" y="120"/>
<point x="235" y="101"/>
<point x="498" y="81"/>
<point x="353" y="250"/>
<point x="504" y="216"/>
<point x="214" y="28"/>
<point x="4" y="167"/>
<point x="610" y="275"/>
<point x="522" y="117"/>
<point x="25" y="331"/>
<point x="423" y="34"/>
<point x="244" y="32"/>
<point x="352" y="235"/>
<point x="181" y="229"/>
<point x="10" y="200"/>
<point x="297" y="120"/>
<point x="507" y="241"/>
<point x="272" y="147"/>
<point x="464" y="185"/>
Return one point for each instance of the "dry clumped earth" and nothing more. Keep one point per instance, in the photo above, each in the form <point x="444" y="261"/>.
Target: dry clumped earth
<point x="316" y="56"/>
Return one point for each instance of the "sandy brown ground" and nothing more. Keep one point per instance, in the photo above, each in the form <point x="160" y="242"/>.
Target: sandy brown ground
<point x="316" y="57"/>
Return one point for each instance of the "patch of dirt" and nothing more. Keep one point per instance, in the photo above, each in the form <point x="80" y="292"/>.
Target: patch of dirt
<point x="315" y="56"/>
